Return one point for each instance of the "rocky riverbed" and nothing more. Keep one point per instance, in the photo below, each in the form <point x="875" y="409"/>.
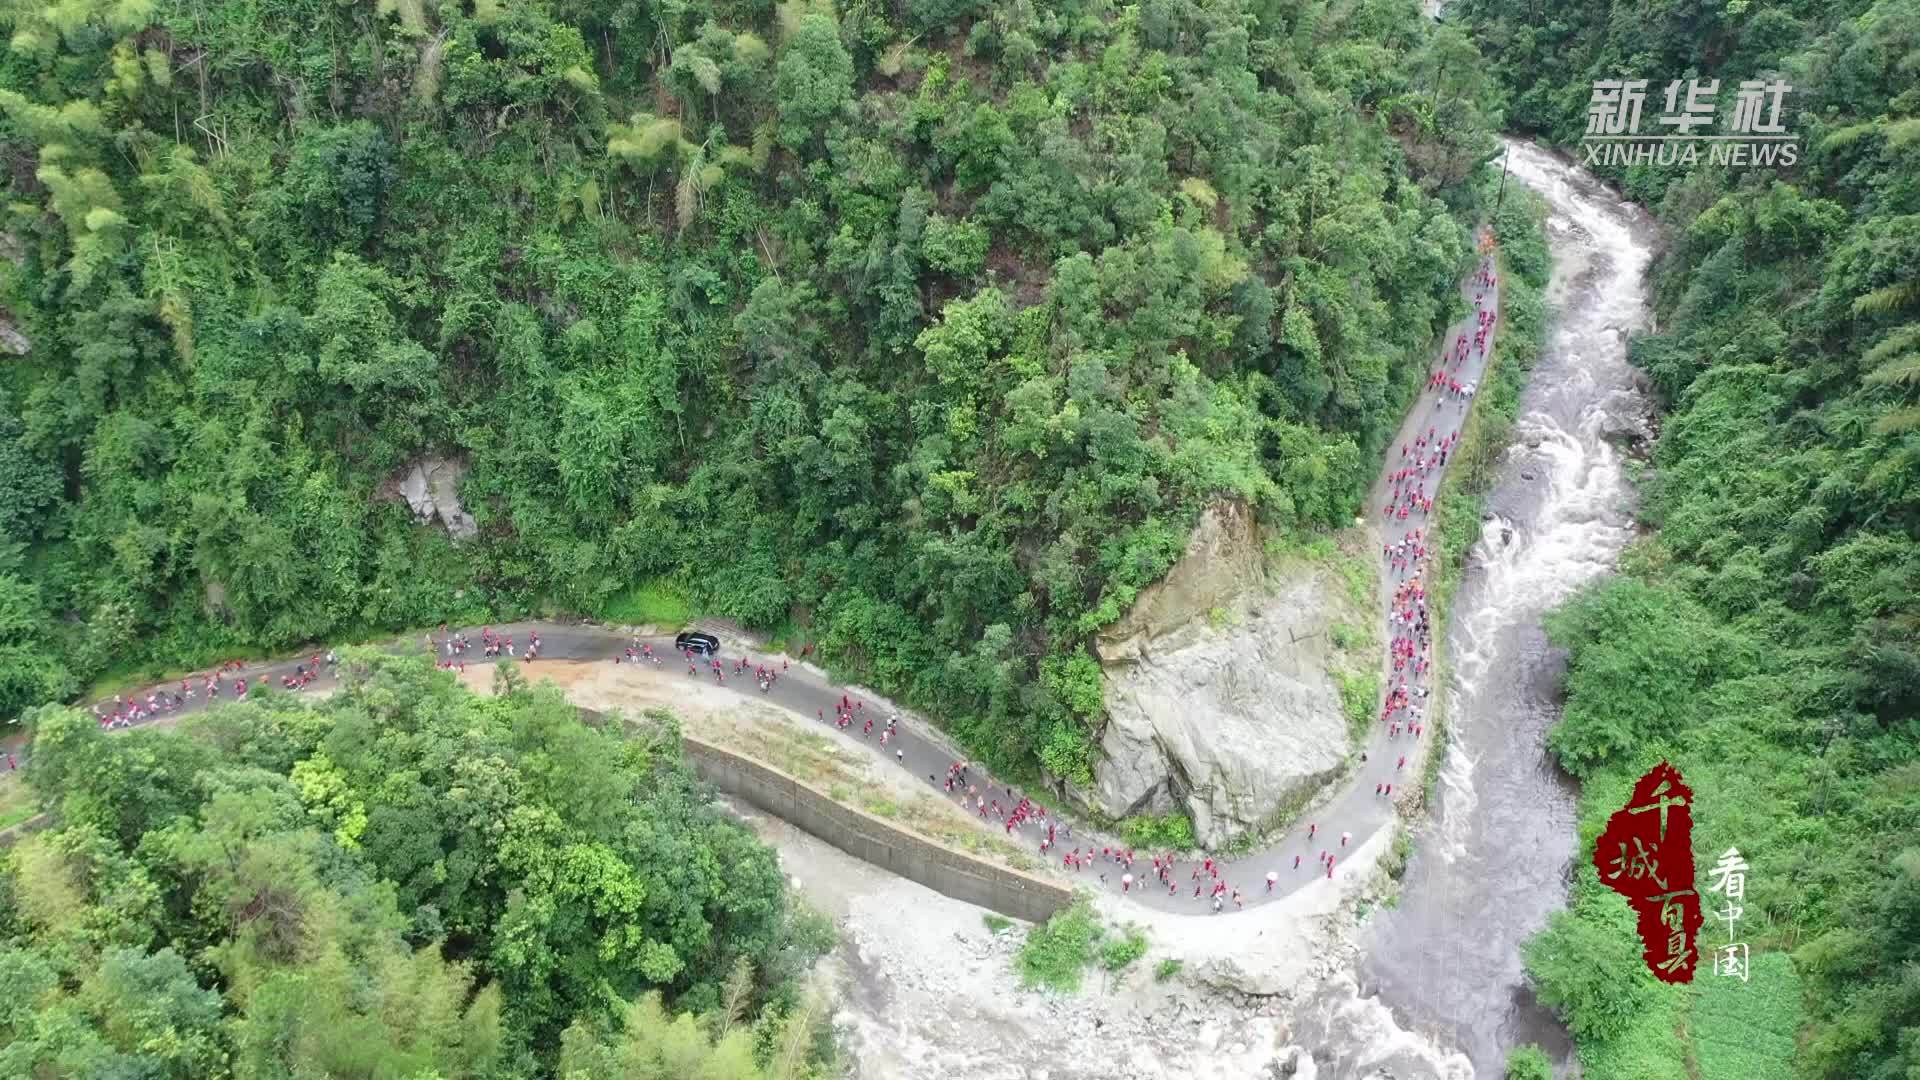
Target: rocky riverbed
<point x="923" y="988"/>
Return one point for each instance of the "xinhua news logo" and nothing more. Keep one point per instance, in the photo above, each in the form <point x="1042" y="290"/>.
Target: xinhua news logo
<point x="1754" y="134"/>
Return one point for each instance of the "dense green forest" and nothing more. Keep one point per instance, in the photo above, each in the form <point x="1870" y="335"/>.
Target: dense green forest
<point x="1767" y="636"/>
<point x="926" y="328"/>
<point x="404" y="880"/>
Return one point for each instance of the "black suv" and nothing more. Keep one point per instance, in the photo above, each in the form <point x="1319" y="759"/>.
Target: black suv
<point x="695" y="641"/>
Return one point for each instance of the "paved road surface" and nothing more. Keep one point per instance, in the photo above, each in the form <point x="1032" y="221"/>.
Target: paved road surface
<point x="1354" y="809"/>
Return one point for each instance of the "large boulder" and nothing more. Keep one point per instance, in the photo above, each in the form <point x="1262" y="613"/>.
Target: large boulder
<point x="1221" y="693"/>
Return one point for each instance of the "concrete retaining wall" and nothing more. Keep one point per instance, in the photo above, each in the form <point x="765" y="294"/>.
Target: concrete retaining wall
<point x="860" y="834"/>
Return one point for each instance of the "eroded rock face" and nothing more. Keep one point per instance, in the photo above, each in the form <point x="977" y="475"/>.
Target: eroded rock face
<point x="1222" y="564"/>
<point x="431" y="487"/>
<point x="217" y="598"/>
<point x="11" y="339"/>
<point x="1220" y="691"/>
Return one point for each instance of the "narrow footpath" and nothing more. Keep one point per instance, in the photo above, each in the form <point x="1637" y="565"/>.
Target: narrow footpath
<point x="804" y="689"/>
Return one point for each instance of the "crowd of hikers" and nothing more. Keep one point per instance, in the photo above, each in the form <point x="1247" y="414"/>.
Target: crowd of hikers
<point x="1214" y="884"/>
<point x="449" y="650"/>
<point x="763" y="674"/>
<point x="128" y="710"/>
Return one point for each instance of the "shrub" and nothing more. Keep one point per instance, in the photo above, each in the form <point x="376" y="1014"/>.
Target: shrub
<point x="1170" y="831"/>
<point x="1528" y="1062"/>
<point x="658" y="602"/>
<point x="1117" y="953"/>
<point x="1057" y="951"/>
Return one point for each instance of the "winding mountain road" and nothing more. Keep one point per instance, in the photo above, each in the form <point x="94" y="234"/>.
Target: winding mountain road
<point x="809" y="692"/>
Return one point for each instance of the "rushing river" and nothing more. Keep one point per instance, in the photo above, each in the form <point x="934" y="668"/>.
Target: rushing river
<point x="1440" y="991"/>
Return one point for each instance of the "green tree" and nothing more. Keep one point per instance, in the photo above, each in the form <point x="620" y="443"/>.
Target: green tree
<point x="1587" y="966"/>
<point x="813" y="82"/>
<point x="337" y="184"/>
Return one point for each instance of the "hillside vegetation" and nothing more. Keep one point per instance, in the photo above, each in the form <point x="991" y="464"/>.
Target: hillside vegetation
<point x="1767" y="637"/>
<point x="403" y="881"/>
<point x="928" y="328"/>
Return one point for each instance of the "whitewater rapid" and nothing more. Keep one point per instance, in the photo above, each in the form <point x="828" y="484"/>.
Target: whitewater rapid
<point x="1440" y="991"/>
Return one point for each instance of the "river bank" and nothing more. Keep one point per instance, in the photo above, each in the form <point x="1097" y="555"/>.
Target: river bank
<point x="1442" y="969"/>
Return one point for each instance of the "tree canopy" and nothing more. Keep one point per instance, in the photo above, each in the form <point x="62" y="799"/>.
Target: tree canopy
<point x="405" y="880"/>
<point x="930" y="331"/>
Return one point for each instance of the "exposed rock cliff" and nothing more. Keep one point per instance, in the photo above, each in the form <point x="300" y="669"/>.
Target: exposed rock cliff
<point x="1221" y="693"/>
<point x="11" y="339"/>
<point x="431" y="487"/>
